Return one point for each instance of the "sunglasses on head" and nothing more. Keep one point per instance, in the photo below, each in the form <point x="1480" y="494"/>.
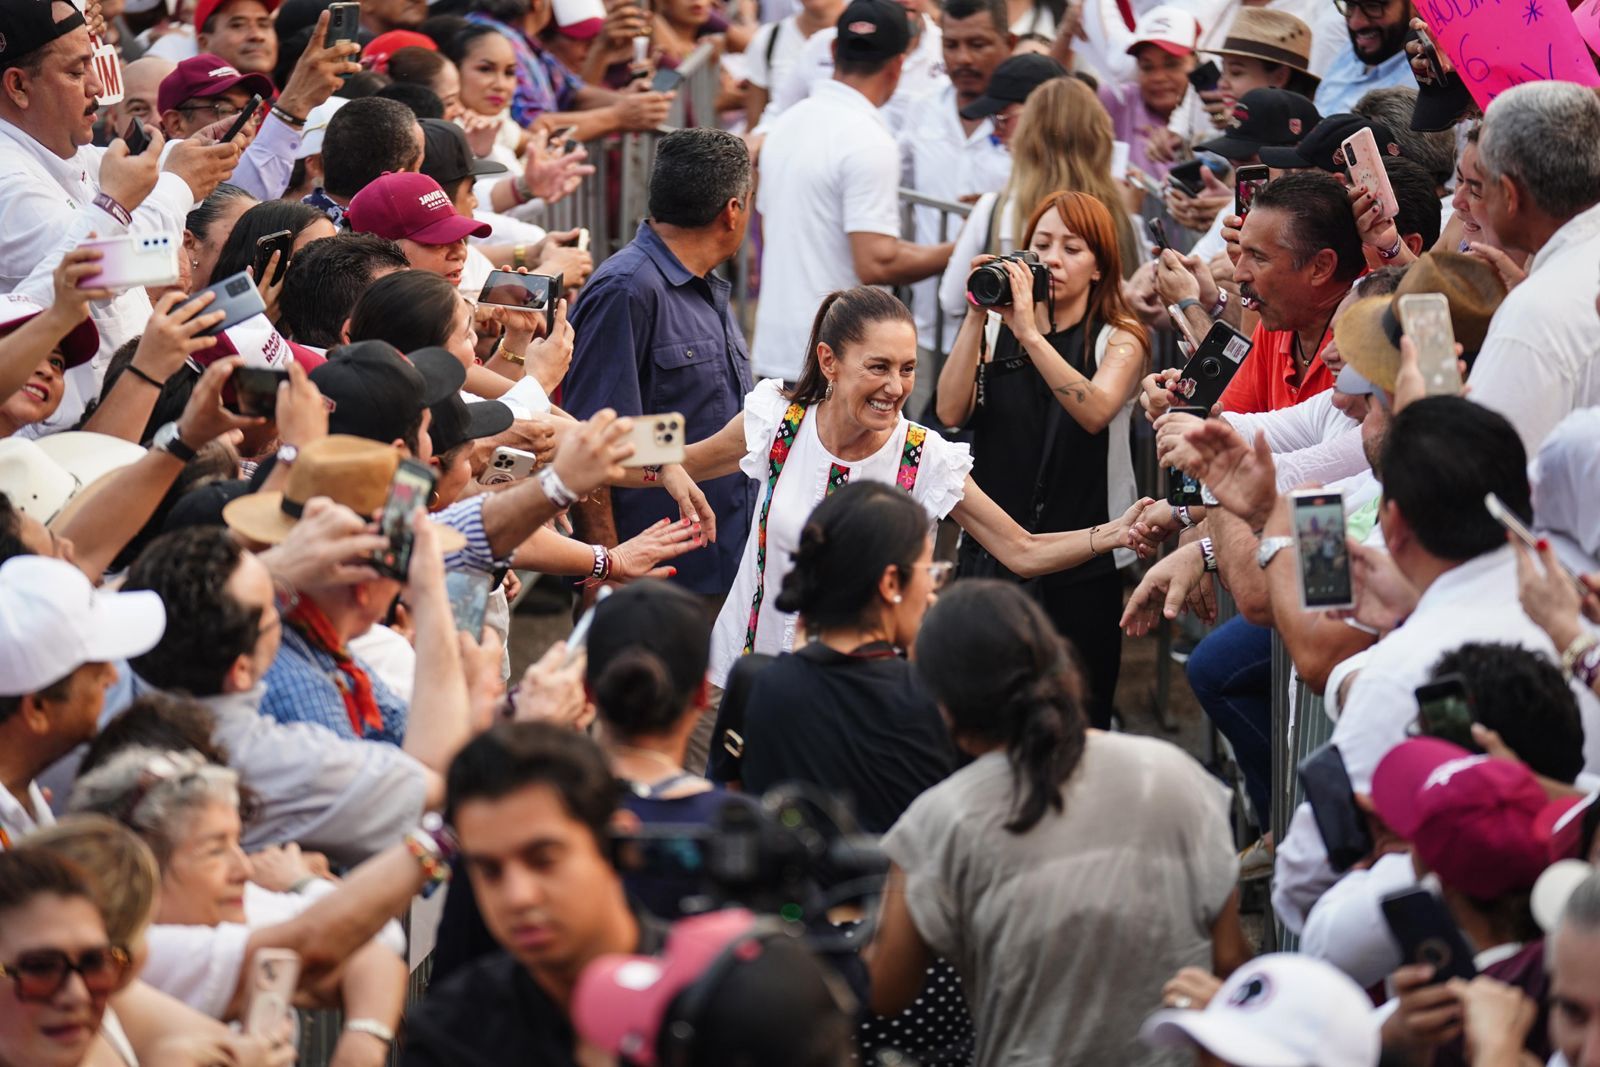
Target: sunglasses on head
<point x="40" y="974"/>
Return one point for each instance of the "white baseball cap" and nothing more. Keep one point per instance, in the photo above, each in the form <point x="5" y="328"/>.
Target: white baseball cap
<point x="41" y="477"/>
<point x="317" y="126"/>
<point x="1553" y="889"/>
<point x="1280" y="1010"/>
<point x="1169" y="28"/>
<point x="52" y="621"/>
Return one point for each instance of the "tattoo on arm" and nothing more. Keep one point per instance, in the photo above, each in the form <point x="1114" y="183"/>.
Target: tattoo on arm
<point x="1077" y="391"/>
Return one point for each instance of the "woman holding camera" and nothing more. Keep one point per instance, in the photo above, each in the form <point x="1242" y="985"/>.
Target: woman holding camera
<point x="1065" y="872"/>
<point x="1046" y="391"/>
<point x="842" y="423"/>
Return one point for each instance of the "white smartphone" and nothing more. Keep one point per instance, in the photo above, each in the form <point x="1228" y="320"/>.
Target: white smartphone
<point x="1319" y="535"/>
<point x="508" y="465"/>
<point x="583" y="239"/>
<point x="134" y="259"/>
<point x="657" y="439"/>
<point x="269" y="1006"/>
<point x="1366" y="169"/>
<point x="1506" y="517"/>
<point x="1425" y="318"/>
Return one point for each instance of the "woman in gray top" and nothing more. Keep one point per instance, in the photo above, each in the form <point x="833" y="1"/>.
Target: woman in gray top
<point x="1065" y="872"/>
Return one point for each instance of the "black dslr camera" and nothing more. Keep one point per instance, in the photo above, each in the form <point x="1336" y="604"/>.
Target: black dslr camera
<point x="990" y="285"/>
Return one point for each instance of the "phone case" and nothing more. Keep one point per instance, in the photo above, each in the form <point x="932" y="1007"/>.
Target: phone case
<point x="1366" y="169"/>
<point x="1206" y="376"/>
<point x="344" y="22"/>
<point x="1324" y="557"/>
<point x="469" y="598"/>
<point x="409" y="491"/>
<point x="1247" y="182"/>
<point x="1427" y="934"/>
<point x="1333" y="806"/>
<point x="134" y="260"/>
<point x="236" y="297"/>
<point x="509" y="465"/>
<point x="1425" y="317"/>
<point x="274" y="972"/>
<point x="657" y="439"/>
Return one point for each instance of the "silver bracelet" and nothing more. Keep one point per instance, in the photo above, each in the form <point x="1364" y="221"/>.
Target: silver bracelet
<point x="555" y="490"/>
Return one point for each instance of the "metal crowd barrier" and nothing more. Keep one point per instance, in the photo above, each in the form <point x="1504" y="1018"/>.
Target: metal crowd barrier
<point x="913" y="204"/>
<point x="1300" y="724"/>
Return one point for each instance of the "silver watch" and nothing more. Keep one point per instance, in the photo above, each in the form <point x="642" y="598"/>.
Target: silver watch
<point x="1269" y="547"/>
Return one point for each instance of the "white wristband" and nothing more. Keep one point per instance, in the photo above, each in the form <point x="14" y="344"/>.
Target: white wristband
<point x="555" y="489"/>
<point x="371" y="1027"/>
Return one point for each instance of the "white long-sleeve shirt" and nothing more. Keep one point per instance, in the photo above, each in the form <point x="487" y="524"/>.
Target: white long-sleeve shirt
<point x="1311" y="442"/>
<point x="47" y="208"/>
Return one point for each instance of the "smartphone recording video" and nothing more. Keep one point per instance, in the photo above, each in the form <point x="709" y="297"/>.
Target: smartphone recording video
<point x="410" y="489"/>
<point x="1319" y="534"/>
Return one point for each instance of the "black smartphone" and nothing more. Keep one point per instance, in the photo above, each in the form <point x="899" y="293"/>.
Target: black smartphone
<point x="1333" y="804"/>
<point x="525" y="292"/>
<point x="1444" y="710"/>
<point x="1427" y="934"/>
<point x="1204" y="78"/>
<point x="281" y="242"/>
<point x="1186" y="176"/>
<point x="1430" y="56"/>
<point x="665" y="81"/>
<point x="256" y="390"/>
<point x="1183" y="490"/>
<point x="469" y="599"/>
<point x="236" y="296"/>
<point x="1324" y="556"/>
<point x="344" y="24"/>
<point x="1247" y="182"/>
<point x="245" y="116"/>
<point x="137" y="138"/>
<point x="1157" y="229"/>
<point x="1205" y="377"/>
<point x="410" y="489"/>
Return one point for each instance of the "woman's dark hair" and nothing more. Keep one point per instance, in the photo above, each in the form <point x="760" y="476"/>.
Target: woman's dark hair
<point x="457" y="47"/>
<point x="1003" y="676"/>
<point x="417" y="66"/>
<point x="410" y="309"/>
<point x="842" y="320"/>
<point x="269" y="216"/>
<point x="442" y="28"/>
<point x="205" y="214"/>
<point x="648" y="650"/>
<point x="846" y="544"/>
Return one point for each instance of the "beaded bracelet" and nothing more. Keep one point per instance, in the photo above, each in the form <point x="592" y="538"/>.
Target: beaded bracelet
<point x="424" y="851"/>
<point x="652" y="474"/>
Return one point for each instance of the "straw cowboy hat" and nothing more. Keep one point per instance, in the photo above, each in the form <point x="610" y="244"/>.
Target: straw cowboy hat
<point x="1368" y="333"/>
<point x="1270" y="36"/>
<point x="351" y="471"/>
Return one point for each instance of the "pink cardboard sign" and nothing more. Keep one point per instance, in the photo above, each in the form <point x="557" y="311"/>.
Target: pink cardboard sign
<point x="1497" y="44"/>
<point x="1587" y="16"/>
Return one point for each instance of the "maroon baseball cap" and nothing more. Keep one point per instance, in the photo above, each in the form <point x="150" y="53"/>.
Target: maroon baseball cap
<point x="1469" y="817"/>
<point x="206" y="8"/>
<point x="207" y="75"/>
<point x="1560" y="827"/>
<point x="413" y="206"/>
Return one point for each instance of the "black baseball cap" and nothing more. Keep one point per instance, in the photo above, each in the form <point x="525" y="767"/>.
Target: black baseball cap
<point x="447" y="157"/>
<point x="873" y="29"/>
<point x="28" y="25"/>
<point x="1011" y="83"/>
<point x="455" y="421"/>
<point x="1322" y="148"/>
<point x="378" y="394"/>
<point x="1264" y="117"/>
<point x="1440" y="105"/>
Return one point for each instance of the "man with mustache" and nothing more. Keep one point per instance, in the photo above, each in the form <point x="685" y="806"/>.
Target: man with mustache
<point x="55" y="189"/>
<point x="1376" y="58"/>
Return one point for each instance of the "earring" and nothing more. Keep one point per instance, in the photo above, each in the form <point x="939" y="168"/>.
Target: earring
<point x="433" y="500"/>
<point x="827" y="394"/>
<point x="897" y="598"/>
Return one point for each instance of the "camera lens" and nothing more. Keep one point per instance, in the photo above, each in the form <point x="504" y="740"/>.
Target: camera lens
<point x="660" y="426"/>
<point x="1210" y="367"/>
<point x="237" y="287"/>
<point x="990" y="286"/>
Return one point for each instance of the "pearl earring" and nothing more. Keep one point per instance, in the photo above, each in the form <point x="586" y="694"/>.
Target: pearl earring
<point x="896" y="598"/>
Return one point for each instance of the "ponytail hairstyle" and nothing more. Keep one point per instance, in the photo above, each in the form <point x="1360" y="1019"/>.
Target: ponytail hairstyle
<point x="1087" y="217"/>
<point x="648" y="649"/>
<point x="1003" y="676"/>
<point x="843" y="320"/>
<point x="844" y="549"/>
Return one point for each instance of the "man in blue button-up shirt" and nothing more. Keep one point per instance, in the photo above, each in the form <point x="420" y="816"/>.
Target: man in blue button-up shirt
<point x="1376" y="58"/>
<point x="655" y="333"/>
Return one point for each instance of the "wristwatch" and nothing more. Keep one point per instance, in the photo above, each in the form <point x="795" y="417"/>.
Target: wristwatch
<point x="167" y="440"/>
<point x="1269" y="547"/>
<point x="287" y="454"/>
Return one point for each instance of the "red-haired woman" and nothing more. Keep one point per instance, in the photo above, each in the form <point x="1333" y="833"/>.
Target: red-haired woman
<point x="1046" y="388"/>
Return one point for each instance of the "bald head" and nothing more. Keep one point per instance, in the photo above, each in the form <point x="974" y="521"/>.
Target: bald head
<point x="141" y="81"/>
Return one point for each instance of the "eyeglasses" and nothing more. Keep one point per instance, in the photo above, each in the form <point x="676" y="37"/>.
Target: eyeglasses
<point x="220" y="108"/>
<point x="40" y="974"/>
<point x="1372" y="9"/>
<point x="939" y="572"/>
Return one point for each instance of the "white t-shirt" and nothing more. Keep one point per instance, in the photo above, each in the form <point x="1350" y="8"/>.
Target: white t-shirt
<point x="941" y="480"/>
<point x="783" y="42"/>
<point x="830" y="168"/>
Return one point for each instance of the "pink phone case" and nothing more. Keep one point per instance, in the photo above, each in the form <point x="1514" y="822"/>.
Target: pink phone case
<point x="1366" y="169"/>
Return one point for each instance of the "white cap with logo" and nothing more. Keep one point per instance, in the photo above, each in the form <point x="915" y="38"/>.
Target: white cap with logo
<point x="52" y="621"/>
<point x="1280" y="1010"/>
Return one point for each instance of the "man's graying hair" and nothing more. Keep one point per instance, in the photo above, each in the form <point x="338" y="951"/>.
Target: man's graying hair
<point x="1319" y="217"/>
<point x="697" y="171"/>
<point x="1545" y="136"/>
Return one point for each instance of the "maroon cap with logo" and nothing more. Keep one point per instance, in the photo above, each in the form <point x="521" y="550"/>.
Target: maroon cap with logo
<point x="207" y="75"/>
<point x="412" y="206"/>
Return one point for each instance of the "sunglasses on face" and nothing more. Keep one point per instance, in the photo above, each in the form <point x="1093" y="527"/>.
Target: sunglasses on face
<point x="40" y="974"/>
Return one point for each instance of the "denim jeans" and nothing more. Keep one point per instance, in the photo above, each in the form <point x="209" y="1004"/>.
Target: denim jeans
<point x="1231" y="675"/>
